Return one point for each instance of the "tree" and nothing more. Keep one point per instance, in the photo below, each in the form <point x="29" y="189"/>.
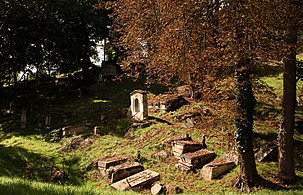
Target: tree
<point x="189" y="41"/>
<point x="20" y="36"/>
<point x="76" y="27"/>
<point x="44" y="33"/>
<point x="293" y="14"/>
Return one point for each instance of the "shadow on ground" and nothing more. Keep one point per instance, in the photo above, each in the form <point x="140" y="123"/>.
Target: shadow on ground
<point x="19" y="162"/>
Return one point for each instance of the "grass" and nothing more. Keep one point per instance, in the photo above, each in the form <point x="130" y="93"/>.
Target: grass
<point x="12" y="186"/>
<point x="20" y="148"/>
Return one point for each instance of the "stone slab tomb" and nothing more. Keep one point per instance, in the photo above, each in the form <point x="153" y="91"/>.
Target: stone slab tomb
<point x="194" y="160"/>
<point x="182" y="147"/>
<point x="267" y="153"/>
<point x="231" y="156"/>
<point x="124" y="170"/>
<point x="141" y="179"/>
<point x="106" y="163"/>
<point x="74" y="130"/>
<point x="215" y="169"/>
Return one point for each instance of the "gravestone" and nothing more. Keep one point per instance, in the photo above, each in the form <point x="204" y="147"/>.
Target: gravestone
<point x="182" y="147"/>
<point x="74" y="130"/>
<point x="97" y="130"/>
<point x="48" y="120"/>
<point x="194" y="160"/>
<point x="232" y="156"/>
<point x="215" y="169"/>
<point x="23" y="118"/>
<point x="157" y="188"/>
<point x="267" y="153"/>
<point x="112" y="161"/>
<point x="138" y="105"/>
<point x="124" y="170"/>
<point x="141" y="179"/>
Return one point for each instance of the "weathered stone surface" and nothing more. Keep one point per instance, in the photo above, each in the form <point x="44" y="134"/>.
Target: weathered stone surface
<point x="198" y="158"/>
<point x="182" y="147"/>
<point x="157" y="188"/>
<point x="124" y="170"/>
<point x="112" y="161"/>
<point x="189" y="123"/>
<point x="170" y="141"/>
<point x="78" y="143"/>
<point x="74" y="130"/>
<point x="231" y="156"/>
<point x="216" y="169"/>
<point x="162" y="155"/>
<point x="97" y="130"/>
<point x="184" y="166"/>
<point x="139" y="106"/>
<point x="141" y="179"/>
<point x="167" y="102"/>
<point x="267" y="153"/>
<point x="185" y="116"/>
<point x="171" y="189"/>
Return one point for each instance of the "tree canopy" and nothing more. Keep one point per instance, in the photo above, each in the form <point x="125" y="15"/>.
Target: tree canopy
<point x="44" y="33"/>
<point x="193" y="41"/>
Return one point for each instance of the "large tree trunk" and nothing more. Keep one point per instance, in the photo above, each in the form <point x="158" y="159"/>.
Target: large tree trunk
<point x="244" y="127"/>
<point x="286" y="132"/>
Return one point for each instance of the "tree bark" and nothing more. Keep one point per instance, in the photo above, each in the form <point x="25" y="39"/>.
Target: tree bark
<point x="285" y="138"/>
<point x="244" y="127"/>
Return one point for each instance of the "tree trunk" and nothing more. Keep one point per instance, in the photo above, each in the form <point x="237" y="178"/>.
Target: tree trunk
<point x="244" y="127"/>
<point x="286" y="132"/>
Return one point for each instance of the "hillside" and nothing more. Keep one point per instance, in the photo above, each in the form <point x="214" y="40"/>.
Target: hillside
<point x="32" y="164"/>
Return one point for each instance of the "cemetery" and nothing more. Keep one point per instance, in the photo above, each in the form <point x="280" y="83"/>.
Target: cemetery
<point x="124" y="168"/>
<point x="151" y="97"/>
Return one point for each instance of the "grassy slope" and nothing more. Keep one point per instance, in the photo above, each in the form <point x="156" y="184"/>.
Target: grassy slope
<point x="19" y="148"/>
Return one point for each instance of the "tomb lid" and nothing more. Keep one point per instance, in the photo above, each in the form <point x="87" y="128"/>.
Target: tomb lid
<point x="138" y="91"/>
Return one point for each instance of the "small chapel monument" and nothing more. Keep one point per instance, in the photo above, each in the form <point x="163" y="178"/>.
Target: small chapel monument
<point x="138" y="105"/>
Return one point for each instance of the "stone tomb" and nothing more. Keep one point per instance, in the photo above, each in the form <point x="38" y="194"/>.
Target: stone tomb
<point x="138" y="105"/>
<point x="194" y="160"/>
<point x="74" y="130"/>
<point x="124" y="170"/>
<point x="142" y="179"/>
<point x="182" y="147"/>
<point x="105" y="164"/>
<point x="215" y="169"/>
<point x="267" y="153"/>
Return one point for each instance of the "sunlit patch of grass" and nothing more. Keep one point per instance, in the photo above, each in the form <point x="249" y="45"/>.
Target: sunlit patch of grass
<point x="101" y="101"/>
<point x="276" y="82"/>
<point x="24" y="187"/>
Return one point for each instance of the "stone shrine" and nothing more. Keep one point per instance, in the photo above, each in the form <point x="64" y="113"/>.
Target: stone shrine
<point x="138" y="105"/>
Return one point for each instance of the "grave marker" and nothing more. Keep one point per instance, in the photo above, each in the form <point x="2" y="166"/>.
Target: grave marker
<point x="23" y="118"/>
<point x="141" y="179"/>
